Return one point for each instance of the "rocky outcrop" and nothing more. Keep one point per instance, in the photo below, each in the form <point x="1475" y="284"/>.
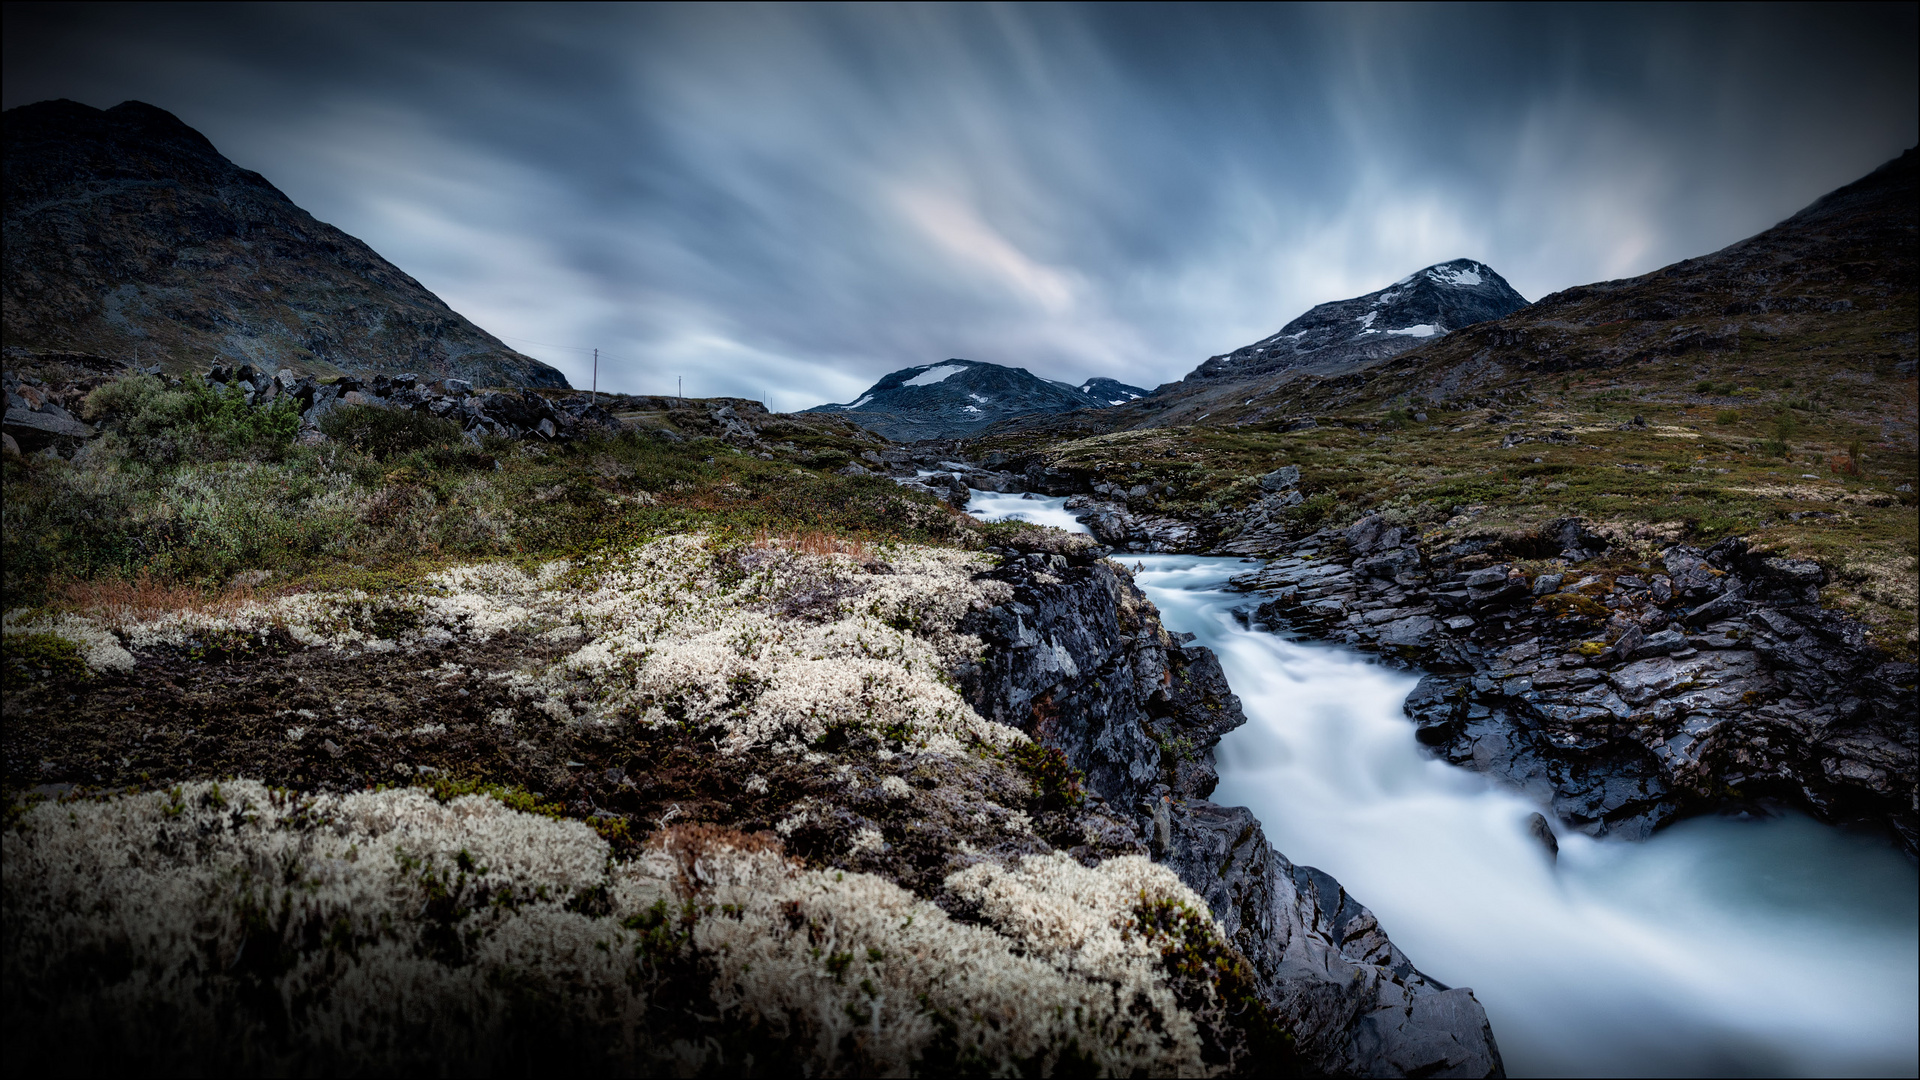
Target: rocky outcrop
<point x="37" y="418"/>
<point x="129" y="235"/>
<point x="1621" y="692"/>
<point x="1079" y="660"/>
<point x="507" y="415"/>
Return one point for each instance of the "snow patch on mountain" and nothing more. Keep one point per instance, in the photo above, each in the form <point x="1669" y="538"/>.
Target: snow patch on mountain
<point x="1459" y="276"/>
<point x="935" y="374"/>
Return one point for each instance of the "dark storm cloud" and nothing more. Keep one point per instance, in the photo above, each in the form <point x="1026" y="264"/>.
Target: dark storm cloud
<point x="796" y="200"/>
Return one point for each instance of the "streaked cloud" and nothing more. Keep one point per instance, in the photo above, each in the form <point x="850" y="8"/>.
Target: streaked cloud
<point x="791" y="201"/>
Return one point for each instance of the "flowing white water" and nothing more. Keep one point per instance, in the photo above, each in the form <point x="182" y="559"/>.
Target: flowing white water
<point x="1718" y="947"/>
<point x="997" y="506"/>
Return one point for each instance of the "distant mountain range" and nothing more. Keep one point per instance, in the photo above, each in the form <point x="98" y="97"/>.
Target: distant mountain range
<point x="957" y="398"/>
<point x="127" y="232"/>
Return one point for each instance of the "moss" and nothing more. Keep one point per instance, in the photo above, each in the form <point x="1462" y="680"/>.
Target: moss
<point x="1572" y="605"/>
<point x="30" y="657"/>
<point x="1207" y="975"/>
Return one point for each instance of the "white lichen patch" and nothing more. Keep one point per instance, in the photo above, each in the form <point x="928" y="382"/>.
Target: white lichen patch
<point x="378" y="909"/>
<point x="755" y="647"/>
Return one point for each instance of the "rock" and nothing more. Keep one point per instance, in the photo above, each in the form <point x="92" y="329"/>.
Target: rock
<point x="1547" y="584"/>
<point x="1281" y="479"/>
<point x="1414" y="630"/>
<point x="733" y="429"/>
<point x="1371" y="534"/>
<point x="458" y="387"/>
<point x="1354" y="1002"/>
<point x="1540" y="830"/>
<point x="9" y="446"/>
<point x="1661" y="644"/>
<point x="853" y="470"/>
<point x="26" y="425"/>
<point x="1728" y="603"/>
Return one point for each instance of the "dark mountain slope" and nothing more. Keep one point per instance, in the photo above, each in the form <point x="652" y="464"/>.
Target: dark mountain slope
<point x="957" y="398"/>
<point x="126" y="229"/>
<point x="1828" y="293"/>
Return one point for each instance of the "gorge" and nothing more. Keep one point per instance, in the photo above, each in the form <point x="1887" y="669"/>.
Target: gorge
<point x="1758" y="944"/>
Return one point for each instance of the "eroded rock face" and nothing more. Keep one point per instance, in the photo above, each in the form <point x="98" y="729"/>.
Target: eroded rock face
<point x="1623" y="696"/>
<point x="1079" y="660"/>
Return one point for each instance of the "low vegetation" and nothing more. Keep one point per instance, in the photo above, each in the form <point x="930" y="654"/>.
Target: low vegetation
<point x="191" y="488"/>
<point x="1808" y="467"/>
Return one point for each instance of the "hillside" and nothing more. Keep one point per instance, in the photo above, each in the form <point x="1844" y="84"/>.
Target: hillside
<point x="127" y="232"/>
<point x="958" y="398"/>
<point x="1765" y="391"/>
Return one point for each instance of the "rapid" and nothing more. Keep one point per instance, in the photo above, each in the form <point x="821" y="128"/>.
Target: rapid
<point x="1720" y="946"/>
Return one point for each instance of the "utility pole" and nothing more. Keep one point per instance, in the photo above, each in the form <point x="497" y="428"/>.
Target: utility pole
<point x="593" y="396"/>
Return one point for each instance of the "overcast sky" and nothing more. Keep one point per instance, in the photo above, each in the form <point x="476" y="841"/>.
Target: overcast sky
<point x="797" y="200"/>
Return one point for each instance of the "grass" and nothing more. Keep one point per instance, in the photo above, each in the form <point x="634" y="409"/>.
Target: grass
<point x="185" y="501"/>
<point x="1803" y="444"/>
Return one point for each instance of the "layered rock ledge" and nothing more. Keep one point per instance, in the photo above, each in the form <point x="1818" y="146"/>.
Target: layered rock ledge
<point x="1623" y="688"/>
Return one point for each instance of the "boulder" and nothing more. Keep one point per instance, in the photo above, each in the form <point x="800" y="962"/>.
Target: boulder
<point x="1287" y="476"/>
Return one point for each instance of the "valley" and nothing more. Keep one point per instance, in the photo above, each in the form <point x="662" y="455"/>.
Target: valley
<point x="634" y="733"/>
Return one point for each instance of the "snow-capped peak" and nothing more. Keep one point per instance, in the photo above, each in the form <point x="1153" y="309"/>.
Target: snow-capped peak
<point x="1456" y="275"/>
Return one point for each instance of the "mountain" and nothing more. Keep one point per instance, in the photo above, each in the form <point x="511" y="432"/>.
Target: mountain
<point x="126" y="230"/>
<point x="1827" y="295"/>
<point x="1344" y="335"/>
<point x="1108" y="392"/>
<point x="957" y="398"/>
<point x="1334" y="338"/>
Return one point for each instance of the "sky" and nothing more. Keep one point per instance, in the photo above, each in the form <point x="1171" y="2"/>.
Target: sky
<point x="791" y="201"/>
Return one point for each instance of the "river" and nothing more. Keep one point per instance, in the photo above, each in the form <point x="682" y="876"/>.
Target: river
<point x="1720" y="946"/>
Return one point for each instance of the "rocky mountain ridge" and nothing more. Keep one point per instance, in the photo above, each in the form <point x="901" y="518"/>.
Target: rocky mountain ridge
<point x="1833" y="287"/>
<point x="130" y="237"/>
<point x="957" y="398"/>
<point x="1342" y="335"/>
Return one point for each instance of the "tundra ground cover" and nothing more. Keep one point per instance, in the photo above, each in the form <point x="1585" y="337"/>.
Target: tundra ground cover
<point x="272" y="931"/>
<point x="1803" y="465"/>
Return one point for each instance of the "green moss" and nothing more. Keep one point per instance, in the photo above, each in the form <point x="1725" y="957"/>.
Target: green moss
<point x="26" y="658"/>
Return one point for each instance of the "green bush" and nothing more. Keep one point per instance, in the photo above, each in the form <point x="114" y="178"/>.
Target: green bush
<point x="388" y="433"/>
<point x="162" y="426"/>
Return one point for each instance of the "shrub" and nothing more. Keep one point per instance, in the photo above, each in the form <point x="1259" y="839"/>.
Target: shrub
<point x="386" y="433"/>
<point x="1056" y="783"/>
<point x="1726" y="416"/>
<point x="1315" y="509"/>
<point x="163" y="426"/>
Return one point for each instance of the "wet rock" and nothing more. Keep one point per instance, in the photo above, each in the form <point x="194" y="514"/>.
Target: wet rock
<point x="1721" y="670"/>
<point x="1541" y="831"/>
<point x="1356" y="1004"/>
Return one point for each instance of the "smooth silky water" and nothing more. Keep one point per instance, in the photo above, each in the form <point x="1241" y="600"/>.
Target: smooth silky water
<point x="1717" y="947"/>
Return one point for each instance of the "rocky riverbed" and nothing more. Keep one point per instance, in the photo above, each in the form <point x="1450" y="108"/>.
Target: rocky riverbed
<point x="1622" y="687"/>
<point x="1624" y="682"/>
